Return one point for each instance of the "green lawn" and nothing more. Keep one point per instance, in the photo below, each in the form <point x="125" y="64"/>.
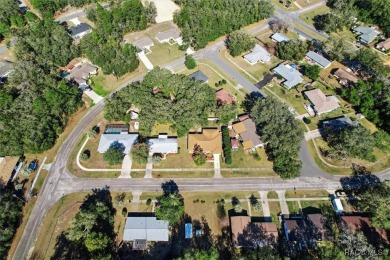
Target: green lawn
<point x="306" y="3"/>
<point x="308" y="16"/>
<point x="292" y="96"/>
<point x="282" y="5"/>
<point x="163" y="53"/>
<point x="243" y="159"/>
<point x="97" y="85"/>
<point x="184" y="174"/>
<point x="313" y="206"/>
<point x="308" y="32"/>
<point x="257" y="173"/>
<point x="306" y="193"/>
<point x="293" y="207"/>
<point x="272" y="195"/>
<point x="274" y="208"/>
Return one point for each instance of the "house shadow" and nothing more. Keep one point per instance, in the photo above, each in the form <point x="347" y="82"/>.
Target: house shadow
<point x="140" y="214"/>
<point x="311" y="210"/>
<point x="261" y="219"/>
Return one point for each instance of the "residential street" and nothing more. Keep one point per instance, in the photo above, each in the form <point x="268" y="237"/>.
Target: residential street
<point x="60" y="181"/>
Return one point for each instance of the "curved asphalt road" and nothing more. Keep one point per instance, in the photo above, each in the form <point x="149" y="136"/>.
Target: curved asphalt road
<point x="60" y="181"/>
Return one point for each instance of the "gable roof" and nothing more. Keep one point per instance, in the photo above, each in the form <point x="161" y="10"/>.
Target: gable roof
<point x="279" y="37"/>
<point x="224" y="96"/>
<point x="321" y="103"/>
<point x="163" y="145"/>
<point x="338" y="123"/>
<point x="344" y="75"/>
<point x="127" y="140"/>
<point x="257" y="54"/>
<point x="82" y="27"/>
<point x="305" y="231"/>
<point x="291" y="75"/>
<point x="319" y="59"/>
<point x="168" y="34"/>
<point x="80" y="74"/>
<point x="247" y="131"/>
<point x="143" y="43"/>
<point x="367" y="34"/>
<point x="210" y="140"/>
<point x="385" y="45"/>
<point x="364" y="224"/>
<point x="5" y="68"/>
<point x="198" y="75"/>
<point x="240" y="224"/>
<point x="146" y="228"/>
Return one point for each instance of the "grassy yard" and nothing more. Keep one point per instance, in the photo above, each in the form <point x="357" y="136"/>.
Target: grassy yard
<point x="163" y="128"/>
<point x="293" y="207"/>
<point x="272" y="195"/>
<point x="308" y="32"/>
<point x="274" y="208"/>
<point x="306" y="3"/>
<point x="308" y="16"/>
<point x="292" y="96"/>
<point x="137" y="174"/>
<point x="243" y="159"/>
<point x="182" y="159"/>
<point x="313" y="206"/>
<point x="163" y="53"/>
<point x="282" y="5"/>
<point x="184" y="174"/>
<point x="97" y="85"/>
<point x="257" y="173"/>
<point x="60" y="216"/>
<point x="306" y="193"/>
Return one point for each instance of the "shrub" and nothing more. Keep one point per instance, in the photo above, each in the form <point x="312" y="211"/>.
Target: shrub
<point x="140" y="153"/>
<point x="307" y="120"/>
<point x="124" y="212"/>
<point x="227" y="146"/>
<point x="190" y="62"/>
<point x="183" y="47"/>
<point x="256" y="156"/>
<point x="156" y="159"/>
<point x="149" y="201"/>
<point x="85" y="155"/>
<point x="224" y="81"/>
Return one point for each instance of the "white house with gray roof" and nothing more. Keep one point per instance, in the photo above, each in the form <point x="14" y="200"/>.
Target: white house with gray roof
<point x="279" y="37"/>
<point x="80" y="30"/>
<point x="170" y="35"/>
<point x="292" y="76"/>
<point x="366" y="34"/>
<point x="258" y="54"/>
<point x="146" y="228"/>
<point x="163" y="145"/>
<point x="318" y="59"/>
<point x="120" y="140"/>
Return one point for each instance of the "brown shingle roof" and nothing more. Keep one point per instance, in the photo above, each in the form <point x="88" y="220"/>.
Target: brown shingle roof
<point x="385" y="45"/>
<point x="247" y="131"/>
<point x="239" y="224"/>
<point x="210" y="140"/>
<point x="321" y="102"/>
<point x="363" y="223"/>
<point x="345" y="76"/>
<point x="223" y="96"/>
<point x="7" y="166"/>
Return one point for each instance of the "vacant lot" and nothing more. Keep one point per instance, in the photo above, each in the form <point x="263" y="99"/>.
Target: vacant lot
<point x="308" y="16"/>
<point x="243" y="159"/>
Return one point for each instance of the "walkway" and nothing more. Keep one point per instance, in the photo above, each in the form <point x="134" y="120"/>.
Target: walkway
<point x="312" y="134"/>
<point x="149" y="168"/>
<point x="282" y="201"/>
<point x="126" y="167"/>
<point x="145" y="60"/>
<point x="217" y="166"/>
<point x="135" y="201"/>
<point x="264" y="203"/>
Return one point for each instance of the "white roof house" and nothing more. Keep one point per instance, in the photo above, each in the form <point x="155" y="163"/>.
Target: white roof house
<point x="279" y="37"/>
<point x="125" y="140"/>
<point x="146" y="228"/>
<point x="258" y="54"/>
<point x="171" y="34"/>
<point x="163" y="145"/>
<point x="318" y="59"/>
<point x="291" y="75"/>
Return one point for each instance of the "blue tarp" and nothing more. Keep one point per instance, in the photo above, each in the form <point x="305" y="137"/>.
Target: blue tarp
<point x="188" y="230"/>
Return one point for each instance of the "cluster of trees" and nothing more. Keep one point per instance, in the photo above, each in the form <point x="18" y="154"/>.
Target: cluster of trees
<point x="10" y="16"/>
<point x="375" y="11"/>
<point x="164" y="98"/>
<point x="103" y="46"/>
<point x="190" y="62"/>
<point x="50" y="6"/>
<point x="239" y="42"/>
<point x="198" y="155"/>
<point x="170" y="206"/>
<point x="92" y="233"/>
<point x="140" y="153"/>
<point x="312" y="71"/>
<point x="282" y="133"/>
<point x="293" y="50"/>
<point x="10" y="216"/>
<point x="372" y="62"/>
<point x="114" y="155"/>
<point x="36" y="102"/>
<point x="204" y="21"/>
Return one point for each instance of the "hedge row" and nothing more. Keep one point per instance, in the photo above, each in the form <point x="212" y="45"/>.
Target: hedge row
<point x="227" y="146"/>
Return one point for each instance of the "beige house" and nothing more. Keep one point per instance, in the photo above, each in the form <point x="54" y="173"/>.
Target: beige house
<point x="246" y="132"/>
<point x="210" y="140"/>
<point x="320" y="103"/>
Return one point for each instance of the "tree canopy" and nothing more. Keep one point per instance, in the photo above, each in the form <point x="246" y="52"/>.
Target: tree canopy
<point x="37" y="102"/>
<point x="312" y="71"/>
<point x="10" y="16"/>
<point x="293" y="50"/>
<point x="204" y="21"/>
<point x="239" y="42"/>
<point x="282" y="133"/>
<point x="52" y="6"/>
<point x="140" y="153"/>
<point x="114" y="155"/>
<point x="170" y="207"/>
<point x="163" y="97"/>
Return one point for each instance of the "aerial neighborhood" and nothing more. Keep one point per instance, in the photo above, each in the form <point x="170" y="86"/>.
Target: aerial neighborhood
<point x="186" y="129"/>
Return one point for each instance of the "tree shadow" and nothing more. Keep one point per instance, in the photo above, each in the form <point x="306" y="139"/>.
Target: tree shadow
<point x="66" y="249"/>
<point x="250" y="100"/>
<point x="205" y="240"/>
<point x="169" y="187"/>
<point x="255" y="236"/>
<point x="118" y="145"/>
<point x="178" y="242"/>
<point x="358" y="183"/>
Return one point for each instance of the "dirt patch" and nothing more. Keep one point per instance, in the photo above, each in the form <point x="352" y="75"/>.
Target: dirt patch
<point x="165" y="10"/>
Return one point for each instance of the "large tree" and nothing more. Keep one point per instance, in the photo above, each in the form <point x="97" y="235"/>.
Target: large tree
<point x="282" y="133"/>
<point x="10" y="16"/>
<point x="293" y="50"/>
<point x="239" y="42"/>
<point x="167" y="98"/>
<point x="140" y="153"/>
<point x="114" y="155"/>
<point x="170" y="207"/>
<point x="204" y="21"/>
